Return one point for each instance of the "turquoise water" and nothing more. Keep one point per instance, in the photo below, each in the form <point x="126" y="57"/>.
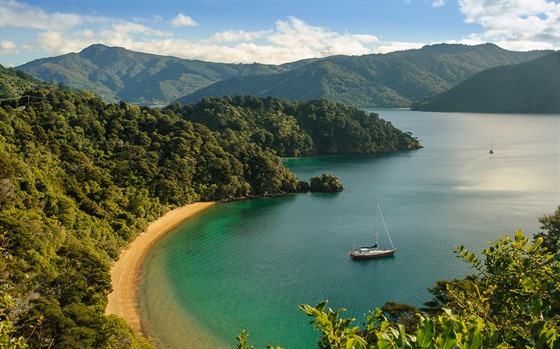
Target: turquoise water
<point x="248" y="264"/>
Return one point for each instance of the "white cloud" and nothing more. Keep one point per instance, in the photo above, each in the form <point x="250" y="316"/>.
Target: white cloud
<point x="237" y="35"/>
<point x="399" y="46"/>
<point x="290" y="40"/>
<point x="319" y="41"/>
<point x="16" y="14"/>
<point x="438" y="3"/>
<point x="515" y="24"/>
<point x="183" y="21"/>
<point x="8" y="47"/>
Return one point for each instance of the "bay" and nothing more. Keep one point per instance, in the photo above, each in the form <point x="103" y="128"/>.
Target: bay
<point x="248" y="264"/>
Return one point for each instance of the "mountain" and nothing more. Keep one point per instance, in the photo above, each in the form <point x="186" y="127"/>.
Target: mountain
<point x="529" y="87"/>
<point x="380" y="80"/>
<point x="386" y="80"/>
<point x="115" y="73"/>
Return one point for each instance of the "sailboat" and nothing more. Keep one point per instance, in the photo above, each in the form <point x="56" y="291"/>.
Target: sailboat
<point x="491" y="152"/>
<point x="369" y="252"/>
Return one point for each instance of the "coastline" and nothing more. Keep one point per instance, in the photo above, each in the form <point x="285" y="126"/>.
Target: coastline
<point x="125" y="271"/>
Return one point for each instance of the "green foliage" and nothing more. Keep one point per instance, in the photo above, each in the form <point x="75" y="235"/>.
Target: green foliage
<point x="13" y="83"/>
<point x="519" y="291"/>
<point x="327" y="183"/>
<point x="242" y="338"/>
<point x="551" y="234"/>
<point x="335" y="332"/>
<point x="8" y="334"/>
<point x="401" y="313"/>
<point x="299" y="128"/>
<point x="442" y="294"/>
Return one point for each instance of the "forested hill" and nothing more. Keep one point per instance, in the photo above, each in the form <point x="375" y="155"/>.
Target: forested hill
<point x="387" y="80"/>
<point x="300" y="128"/>
<point x="14" y="83"/>
<point x="530" y="87"/>
<point x="79" y="178"/>
<point x="115" y="73"/>
<point x="382" y="80"/>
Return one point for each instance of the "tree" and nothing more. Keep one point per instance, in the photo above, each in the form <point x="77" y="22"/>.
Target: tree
<point x="518" y="293"/>
<point x="325" y="183"/>
<point x="551" y="235"/>
<point x="401" y="313"/>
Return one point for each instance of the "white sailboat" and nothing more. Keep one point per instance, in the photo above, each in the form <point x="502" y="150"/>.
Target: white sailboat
<point x="368" y="252"/>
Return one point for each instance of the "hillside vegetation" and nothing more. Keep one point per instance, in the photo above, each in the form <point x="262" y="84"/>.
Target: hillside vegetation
<point x="13" y="82"/>
<point x="381" y="80"/>
<point x="80" y="178"/>
<point x="300" y="128"/>
<point x="529" y="87"/>
<point x="115" y="73"/>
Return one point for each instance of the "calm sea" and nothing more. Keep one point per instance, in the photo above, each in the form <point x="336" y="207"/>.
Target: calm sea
<point x="248" y="264"/>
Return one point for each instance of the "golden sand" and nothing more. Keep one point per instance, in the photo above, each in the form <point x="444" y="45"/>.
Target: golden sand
<point x="125" y="272"/>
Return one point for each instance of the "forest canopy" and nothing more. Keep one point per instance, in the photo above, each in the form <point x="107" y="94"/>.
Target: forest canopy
<point x="315" y="127"/>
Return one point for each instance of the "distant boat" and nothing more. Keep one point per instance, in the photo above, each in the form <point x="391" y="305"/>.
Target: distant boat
<point x="369" y="252"/>
<point x="491" y="152"/>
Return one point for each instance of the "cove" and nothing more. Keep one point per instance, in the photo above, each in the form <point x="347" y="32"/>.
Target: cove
<point x="248" y="264"/>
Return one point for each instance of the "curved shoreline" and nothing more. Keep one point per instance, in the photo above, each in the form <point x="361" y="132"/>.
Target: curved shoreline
<point x="125" y="271"/>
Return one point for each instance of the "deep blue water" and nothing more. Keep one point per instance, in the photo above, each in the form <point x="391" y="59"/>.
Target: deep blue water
<point x="248" y="264"/>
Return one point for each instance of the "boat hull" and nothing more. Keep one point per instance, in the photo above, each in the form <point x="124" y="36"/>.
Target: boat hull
<point x="371" y="254"/>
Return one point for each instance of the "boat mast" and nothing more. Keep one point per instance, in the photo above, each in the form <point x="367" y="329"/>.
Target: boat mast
<point x="385" y="225"/>
<point x="377" y="210"/>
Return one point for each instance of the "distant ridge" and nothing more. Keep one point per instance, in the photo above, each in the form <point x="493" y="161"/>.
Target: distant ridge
<point x="529" y="87"/>
<point x="115" y="73"/>
<point x="379" y="80"/>
<point x="395" y="79"/>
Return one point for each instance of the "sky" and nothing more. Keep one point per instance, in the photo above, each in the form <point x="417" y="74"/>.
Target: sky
<point x="270" y="31"/>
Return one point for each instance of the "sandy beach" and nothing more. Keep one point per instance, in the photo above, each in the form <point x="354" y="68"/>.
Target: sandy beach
<point x="125" y="272"/>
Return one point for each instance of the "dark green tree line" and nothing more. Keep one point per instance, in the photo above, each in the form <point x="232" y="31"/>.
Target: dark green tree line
<point x="300" y="128"/>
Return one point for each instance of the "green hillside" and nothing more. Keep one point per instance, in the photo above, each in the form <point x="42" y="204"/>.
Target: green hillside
<point x="383" y="80"/>
<point x="80" y="178"/>
<point x="530" y="87"/>
<point x="301" y="128"/>
<point x="13" y="82"/>
<point x="116" y="74"/>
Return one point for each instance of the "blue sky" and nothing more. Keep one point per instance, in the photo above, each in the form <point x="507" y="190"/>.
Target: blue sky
<point x="270" y="31"/>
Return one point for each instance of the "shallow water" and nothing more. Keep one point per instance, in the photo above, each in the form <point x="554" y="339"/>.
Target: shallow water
<point x="248" y="264"/>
